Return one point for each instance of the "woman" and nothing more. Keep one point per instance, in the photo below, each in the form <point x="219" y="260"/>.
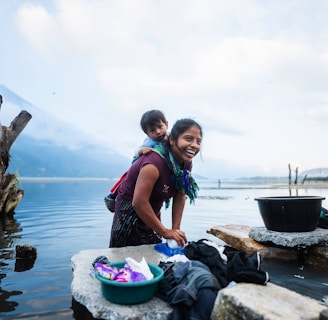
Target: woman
<point x="152" y="180"/>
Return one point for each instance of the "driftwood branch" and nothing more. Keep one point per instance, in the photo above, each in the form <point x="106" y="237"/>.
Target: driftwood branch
<point x="17" y="126"/>
<point x="8" y="135"/>
<point x="10" y="196"/>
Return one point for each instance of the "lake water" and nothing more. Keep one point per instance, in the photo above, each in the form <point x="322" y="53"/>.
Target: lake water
<point x="62" y="217"/>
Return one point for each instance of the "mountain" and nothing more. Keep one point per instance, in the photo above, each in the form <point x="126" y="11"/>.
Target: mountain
<point x="43" y="125"/>
<point x="36" y="153"/>
<point x="316" y="173"/>
<point x="33" y="158"/>
<point x="42" y="150"/>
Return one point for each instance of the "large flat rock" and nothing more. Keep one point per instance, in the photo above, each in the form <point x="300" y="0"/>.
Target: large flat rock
<point x="270" y="302"/>
<point x="86" y="289"/>
<point x="238" y="237"/>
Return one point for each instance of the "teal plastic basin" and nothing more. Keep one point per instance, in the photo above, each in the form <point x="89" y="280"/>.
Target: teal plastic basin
<point x="130" y="292"/>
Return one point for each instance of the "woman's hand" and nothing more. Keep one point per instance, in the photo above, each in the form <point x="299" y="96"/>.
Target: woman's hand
<point x="177" y="235"/>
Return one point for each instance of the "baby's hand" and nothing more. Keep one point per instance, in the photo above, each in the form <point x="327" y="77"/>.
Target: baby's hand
<point x="147" y="150"/>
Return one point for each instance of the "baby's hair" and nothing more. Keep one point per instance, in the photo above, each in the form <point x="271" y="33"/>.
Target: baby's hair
<point x="151" y="118"/>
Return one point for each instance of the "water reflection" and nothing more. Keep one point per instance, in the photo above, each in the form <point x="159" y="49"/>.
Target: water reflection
<point x="9" y="233"/>
<point x="24" y="264"/>
<point x="80" y="312"/>
<point x="5" y="305"/>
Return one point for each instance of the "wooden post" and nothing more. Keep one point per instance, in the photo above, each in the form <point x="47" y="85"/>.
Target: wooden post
<point x="10" y="196"/>
<point x="289" y="179"/>
<point x="296" y="176"/>
<point x="304" y="178"/>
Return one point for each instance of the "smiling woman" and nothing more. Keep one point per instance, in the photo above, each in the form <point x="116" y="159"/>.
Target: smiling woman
<point x="152" y="180"/>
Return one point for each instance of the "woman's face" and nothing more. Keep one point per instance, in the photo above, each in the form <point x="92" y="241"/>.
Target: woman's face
<point x="187" y="145"/>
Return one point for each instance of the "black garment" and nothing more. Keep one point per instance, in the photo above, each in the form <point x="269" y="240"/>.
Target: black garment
<point x="323" y="219"/>
<point x="190" y="288"/>
<point x="240" y="267"/>
<point x="201" y="308"/>
<point x="210" y="256"/>
<point x="243" y="267"/>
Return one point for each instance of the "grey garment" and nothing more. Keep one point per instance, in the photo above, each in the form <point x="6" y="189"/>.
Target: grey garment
<point x="191" y="276"/>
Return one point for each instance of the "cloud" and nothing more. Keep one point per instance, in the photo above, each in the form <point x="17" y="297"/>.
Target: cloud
<point x="252" y="73"/>
<point x="39" y="28"/>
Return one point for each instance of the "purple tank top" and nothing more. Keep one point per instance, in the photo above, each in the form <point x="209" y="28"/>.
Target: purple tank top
<point x="164" y="187"/>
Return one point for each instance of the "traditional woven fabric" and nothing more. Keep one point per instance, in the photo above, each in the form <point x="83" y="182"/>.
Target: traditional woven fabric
<point x="184" y="181"/>
<point x="128" y="229"/>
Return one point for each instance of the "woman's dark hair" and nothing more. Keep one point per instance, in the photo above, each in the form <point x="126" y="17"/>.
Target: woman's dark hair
<point x="150" y="118"/>
<point x="182" y="126"/>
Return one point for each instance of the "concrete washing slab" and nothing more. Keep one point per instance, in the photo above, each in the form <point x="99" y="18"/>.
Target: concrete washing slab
<point x="318" y="237"/>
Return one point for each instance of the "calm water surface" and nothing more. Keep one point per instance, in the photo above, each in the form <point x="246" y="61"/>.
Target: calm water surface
<point x="61" y="218"/>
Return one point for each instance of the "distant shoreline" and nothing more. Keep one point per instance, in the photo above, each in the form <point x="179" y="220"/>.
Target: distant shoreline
<point x="62" y="179"/>
<point x="224" y="183"/>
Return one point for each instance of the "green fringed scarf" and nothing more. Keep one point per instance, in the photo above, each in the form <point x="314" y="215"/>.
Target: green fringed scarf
<point x="184" y="181"/>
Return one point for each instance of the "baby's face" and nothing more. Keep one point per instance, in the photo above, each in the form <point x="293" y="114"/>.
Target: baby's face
<point x="158" y="132"/>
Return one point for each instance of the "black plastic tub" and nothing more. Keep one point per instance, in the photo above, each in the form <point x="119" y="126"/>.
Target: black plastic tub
<point x="290" y="214"/>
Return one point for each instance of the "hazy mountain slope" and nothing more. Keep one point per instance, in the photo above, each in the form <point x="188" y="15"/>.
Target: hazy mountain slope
<point x="317" y="172"/>
<point x="44" y="150"/>
<point x="41" y="150"/>
<point x="33" y="158"/>
<point x="43" y="125"/>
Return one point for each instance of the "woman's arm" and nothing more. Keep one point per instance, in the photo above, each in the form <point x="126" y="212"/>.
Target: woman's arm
<point x="178" y="204"/>
<point x="147" y="178"/>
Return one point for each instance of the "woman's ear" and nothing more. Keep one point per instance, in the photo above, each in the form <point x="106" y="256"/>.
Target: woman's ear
<point x="171" y="141"/>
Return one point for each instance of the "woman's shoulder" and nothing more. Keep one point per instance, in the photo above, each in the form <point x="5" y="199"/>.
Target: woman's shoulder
<point x="154" y="157"/>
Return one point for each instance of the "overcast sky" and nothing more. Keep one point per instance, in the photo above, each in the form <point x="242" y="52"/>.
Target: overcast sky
<point x="253" y="73"/>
